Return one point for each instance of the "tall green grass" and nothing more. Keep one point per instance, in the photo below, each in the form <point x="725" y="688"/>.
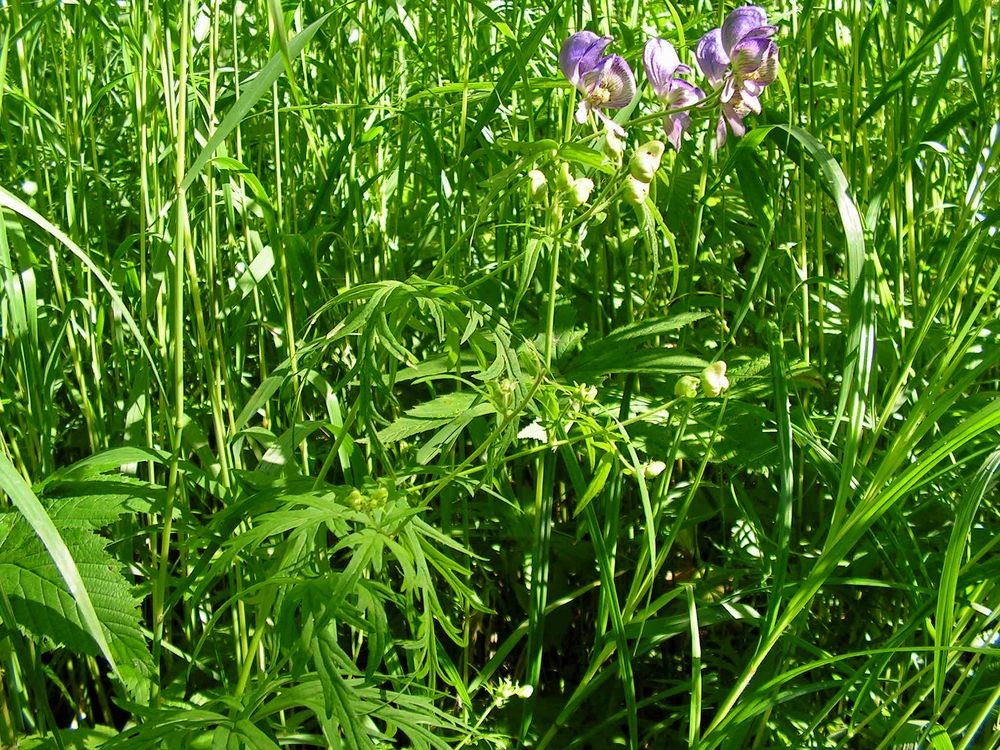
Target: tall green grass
<point x="317" y="430"/>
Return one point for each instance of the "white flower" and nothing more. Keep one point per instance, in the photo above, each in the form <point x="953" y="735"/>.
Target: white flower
<point x="713" y="379"/>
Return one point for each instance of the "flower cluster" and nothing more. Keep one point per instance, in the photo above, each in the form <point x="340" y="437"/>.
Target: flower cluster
<point x="713" y="382"/>
<point x="739" y="59"/>
<point x="642" y="169"/>
<point x="367" y="502"/>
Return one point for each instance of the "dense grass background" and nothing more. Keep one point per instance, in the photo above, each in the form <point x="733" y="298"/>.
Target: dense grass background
<point x="315" y="430"/>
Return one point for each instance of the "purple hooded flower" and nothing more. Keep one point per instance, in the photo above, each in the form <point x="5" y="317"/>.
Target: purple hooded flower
<point x="661" y="63"/>
<point x="606" y="82"/>
<point x="741" y="59"/>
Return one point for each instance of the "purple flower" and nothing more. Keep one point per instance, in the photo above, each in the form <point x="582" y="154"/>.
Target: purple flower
<point x="741" y="59"/>
<point x="606" y="82"/>
<point x="661" y="63"/>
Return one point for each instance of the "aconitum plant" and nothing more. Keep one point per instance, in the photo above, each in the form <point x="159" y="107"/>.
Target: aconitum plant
<point x="739" y="59"/>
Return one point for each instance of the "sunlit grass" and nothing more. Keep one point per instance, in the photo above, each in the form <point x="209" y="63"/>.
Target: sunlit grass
<point x="320" y="428"/>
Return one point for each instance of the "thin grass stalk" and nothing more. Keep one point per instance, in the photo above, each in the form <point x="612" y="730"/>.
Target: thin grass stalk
<point x="543" y="508"/>
<point x="278" y="243"/>
<point x="182" y="241"/>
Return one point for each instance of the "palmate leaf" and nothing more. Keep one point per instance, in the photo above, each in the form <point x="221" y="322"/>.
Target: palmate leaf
<point x="627" y="350"/>
<point x="457" y="409"/>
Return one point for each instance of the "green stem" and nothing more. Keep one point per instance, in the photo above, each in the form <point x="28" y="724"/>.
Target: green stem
<point x="181" y="240"/>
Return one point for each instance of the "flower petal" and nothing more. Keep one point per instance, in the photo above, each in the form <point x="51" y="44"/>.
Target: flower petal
<point x="735" y="122"/>
<point x="660" y="61"/>
<point x="683" y="93"/>
<point x="756" y="57"/>
<point x="617" y="80"/>
<point x="712" y="58"/>
<point x="745" y="103"/>
<point x="720" y="133"/>
<point x="740" y="23"/>
<point x="734" y="111"/>
<point x="730" y="88"/>
<point x="674" y="127"/>
<point x="580" y="54"/>
<point x="610" y="124"/>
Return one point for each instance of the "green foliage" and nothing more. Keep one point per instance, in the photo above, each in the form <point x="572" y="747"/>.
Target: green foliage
<point x="322" y="424"/>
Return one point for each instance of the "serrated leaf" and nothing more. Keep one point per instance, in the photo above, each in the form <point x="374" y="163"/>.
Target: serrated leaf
<point x="339" y="702"/>
<point x="435" y="413"/>
<point x="99" y="502"/>
<point x="450" y="431"/>
<point x="98" y="463"/>
<point x="44" y="608"/>
<point x="34" y="515"/>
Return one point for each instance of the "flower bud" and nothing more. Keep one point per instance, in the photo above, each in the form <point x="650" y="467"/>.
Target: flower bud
<point x="686" y="387"/>
<point x="636" y="191"/>
<point x="653" y="469"/>
<point x="646" y="160"/>
<point x="357" y="501"/>
<point x="713" y="379"/>
<point x="379" y="497"/>
<point x="614" y="146"/>
<point x="581" y="191"/>
<point x="564" y="180"/>
<point x="537" y="185"/>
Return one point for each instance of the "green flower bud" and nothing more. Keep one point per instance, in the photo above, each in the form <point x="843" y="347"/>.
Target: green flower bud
<point x="379" y="497"/>
<point x="614" y="146"/>
<point x="646" y="160"/>
<point x="653" y="469"/>
<point x="713" y="379"/>
<point x="564" y="180"/>
<point x="636" y="191"/>
<point x="357" y="501"/>
<point x="537" y="185"/>
<point x="686" y="387"/>
<point x="581" y="191"/>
